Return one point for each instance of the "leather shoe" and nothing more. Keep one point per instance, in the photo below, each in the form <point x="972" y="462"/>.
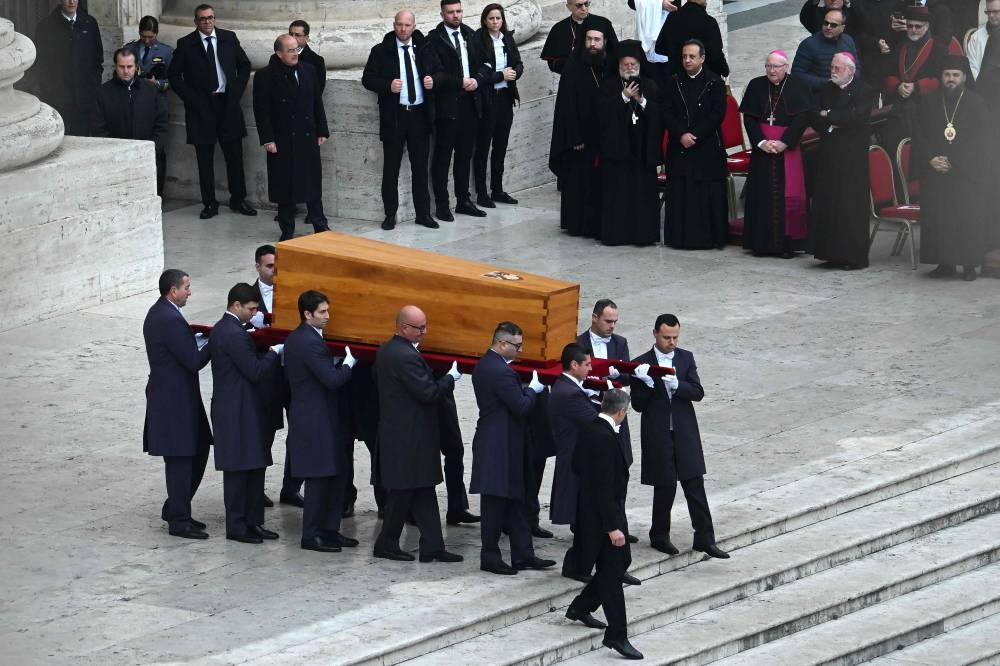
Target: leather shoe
<point x="389" y="222"/>
<point x="459" y="518"/>
<point x="500" y="568"/>
<point x="969" y="273"/>
<point x="468" y="208"/>
<point x="295" y="499"/>
<point x="190" y="533"/>
<point x="441" y="556"/>
<point x="664" y="547"/>
<point x="338" y="539"/>
<point x="503" y="197"/>
<point x="631" y="538"/>
<point x="623" y="647"/>
<point x="540" y="533"/>
<point x="583" y="578"/>
<point x="243" y="208"/>
<point x="348" y="511"/>
<point x="398" y="555"/>
<point x="430" y="222"/>
<point x="629" y="579"/>
<point x="320" y="545"/>
<point x="587" y="619"/>
<point x="443" y="214"/>
<point x="198" y="525"/>
<point x="263" y="533"/>
<point x="712" y="551"/>
<point x="208" y="212"/>
<point x="268" y="502"/>
<point x="249" y="537"/>
<point x="533" y="562"/>
<point x="485" y="201"/>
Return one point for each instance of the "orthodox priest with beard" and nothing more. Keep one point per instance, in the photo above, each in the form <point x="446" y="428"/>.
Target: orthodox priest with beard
<point x="631" y="136"/>
<point x="775" y="111"/>
<point x="952" y="149"/>
<point x="576" y="137"/>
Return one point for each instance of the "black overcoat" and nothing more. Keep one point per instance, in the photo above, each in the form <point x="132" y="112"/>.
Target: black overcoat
<point x="191" y="77"/>
<point x="132" y="110"/>
<point x="290" y="114"/>
<point x="315" y="428"/>
<point x="570" y="410"/>
<point x="697" y="106"/>
<point x="600" y="509"/>
<point x="692" y="21"/>
<point x="238" y="413"/>
<point x="618" y="351"/>
<point x="274" y="387"/>
<point x="452" y="74"/>
<point x="488" y="65"/>
<point x="668" y="458"/>
<point x="318" y="63"/>
<point x="176" y="423"/>
<point x="409" y="439"/>
<point x="382" y="68"/>
<point x="68" y="67"/>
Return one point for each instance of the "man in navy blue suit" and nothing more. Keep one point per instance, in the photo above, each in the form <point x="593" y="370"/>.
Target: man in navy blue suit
<point x="498" y="455"/>
<point x="671" y="442"/>
<point x="315" y="430"/>
<point x="239" y="416"/>
<point x="176" y="426"/>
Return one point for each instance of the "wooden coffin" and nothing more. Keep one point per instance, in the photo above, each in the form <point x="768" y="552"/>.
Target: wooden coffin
<point x="369" y="281"/>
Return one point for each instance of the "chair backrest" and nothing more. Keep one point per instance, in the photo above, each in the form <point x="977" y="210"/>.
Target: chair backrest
<point x="880" y="178"/>
<point x="911" y="192"/>
<point x="732" y="125"/>
<point x="965" y="40"/>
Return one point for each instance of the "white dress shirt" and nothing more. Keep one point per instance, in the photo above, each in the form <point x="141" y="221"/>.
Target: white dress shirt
<point x="500" y="57"/>
<point x="610" y="421"/>
<point x="465" y="51"/>
<point x="573" y="379"/>
<point x="218" y="65"/>
<point x="266" y="295"/>
<point x="599" y="345"/>
<point x="404" y="93"/>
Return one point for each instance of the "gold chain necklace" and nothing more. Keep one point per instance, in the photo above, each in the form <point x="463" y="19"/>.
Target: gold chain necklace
<point x="949" y="129"/>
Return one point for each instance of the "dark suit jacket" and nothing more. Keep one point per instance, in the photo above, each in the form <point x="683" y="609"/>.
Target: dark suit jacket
<point x="131" y="112"/>
<point x="488" y="65"/>
<point x="318" y="64"/>
<point x="238" y="413"/>
<point x="191" y="77"/>
<point x="599" y="464"/>
<point x="450" y="89"/>
<point x="176" y="424"/>
<point x="617" y="350"/>
<point x="570" y="410"/>
<point x="273" y="388"/>
<point x="315" y="430"/>
<point x="383" y="67"/>
<point x="670" y="456"/>
<point x="498" y="446"/>
<point x="409" y="453"/>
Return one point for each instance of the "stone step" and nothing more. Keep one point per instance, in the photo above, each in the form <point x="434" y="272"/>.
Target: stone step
<point x="755" y="569"/>
<point x="975" y="644"/>
<point x="844" y="615"/>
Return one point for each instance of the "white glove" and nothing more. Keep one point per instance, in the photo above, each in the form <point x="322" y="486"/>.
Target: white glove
<point x="610" y="385"/>
<point x="257" y="321"/>
<point x="453" y="371"/>
<point x="534" y="384"/>
<point x="613" y="373"/>
<point x="200" y="340"/>
<point x="671" y="382"/>
<point x="349" y="359"/>
<point x="642" y="372"/>
<point x="278" y="349"/>
<point x="591" y="393"/>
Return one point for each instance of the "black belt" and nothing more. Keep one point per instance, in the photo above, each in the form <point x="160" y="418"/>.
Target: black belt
<point x="219" y="94"/>
<point x="410" y="107"/>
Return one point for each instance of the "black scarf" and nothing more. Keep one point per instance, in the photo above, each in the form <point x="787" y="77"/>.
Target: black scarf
<point x="991" y="55"/>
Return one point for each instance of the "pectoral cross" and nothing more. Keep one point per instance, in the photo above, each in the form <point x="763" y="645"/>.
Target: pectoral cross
<point x="770" y="119"/>
<point x="635" y="118"/>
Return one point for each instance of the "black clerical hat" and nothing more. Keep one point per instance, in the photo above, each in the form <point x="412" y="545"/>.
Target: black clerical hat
<point x="918" y="13"/>
<point x="631" y="48"/>
<point x="958" y="62"/>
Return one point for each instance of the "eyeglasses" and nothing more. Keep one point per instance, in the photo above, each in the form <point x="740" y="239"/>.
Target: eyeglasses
<point x="422" y="329"/>
<point x="827" y="24"/>
<point x="784" y="64"/>
<point x="515" y="345"/>
<point x="916" y="26"/>
<point x="204" y="19"/>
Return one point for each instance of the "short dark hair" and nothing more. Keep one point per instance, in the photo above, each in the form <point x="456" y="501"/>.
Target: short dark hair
<point x="170" y="278"/>
<point x="843" y="15"/>
<point x="299" y="23"/>
<point x="202" y="7"/>
<point x="123" y="52"/>
<point x="261" y="251"/>
<point x="506" y="329"/>
<point x="604" y="303"/>
<point x="445" y="3"/>
<point x="242" y="293"/>
<point x="149" y="23"/>
<point x="572" y="352"/>
<point x="613" y="401"/>
<point x="309" y="301"/>
<point x="668" y="319"/>
<point x="695" y="42"/>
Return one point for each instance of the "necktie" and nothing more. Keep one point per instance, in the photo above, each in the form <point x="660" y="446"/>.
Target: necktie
<point x="210" y="50"/>
<point x="142" y="57"/>
<point x="458" y="47"/>
<point x="411" y="90"/>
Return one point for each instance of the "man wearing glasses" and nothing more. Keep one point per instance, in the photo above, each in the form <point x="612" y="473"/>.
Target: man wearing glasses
<point x="567" y="35"/>
<point x="815" y="52"/>
<point x="914" y="75"/>
<point x="209" y="72"/>
<point x="978" y="45"/>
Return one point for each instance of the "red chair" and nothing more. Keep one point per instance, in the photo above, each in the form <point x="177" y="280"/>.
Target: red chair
<point x="911" y="193"/>
<point x="886" y="207"/>
<point x="738" y="162"/>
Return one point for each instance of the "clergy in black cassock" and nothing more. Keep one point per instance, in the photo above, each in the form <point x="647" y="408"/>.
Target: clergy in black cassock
<point x="952" y="149"/>
<point x="631" y="137"/>
<point x="840" y="205"/>
<point x="697" y="214"/>
<point x="775" y="113"/>
<point x="576" y="137"/>
<point x="567" y="36"/>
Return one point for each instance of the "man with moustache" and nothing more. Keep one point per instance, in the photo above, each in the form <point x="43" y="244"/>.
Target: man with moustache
<point x="913" y="76"/>
<point x="566" y="37"/>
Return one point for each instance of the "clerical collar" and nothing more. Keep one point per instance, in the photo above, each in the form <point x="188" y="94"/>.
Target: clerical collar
<point x="594" y="337"/>
<point x="573" y="379"/>
<point x="695" y="75"/>
<point x="611" y="421"/>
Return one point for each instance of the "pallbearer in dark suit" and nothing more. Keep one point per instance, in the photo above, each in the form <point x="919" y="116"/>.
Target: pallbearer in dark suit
<point x="671" y="442"/>
<point x="408" y="451"/>
<point x="498" y="454"/>
<point x="315" y="428"/>
<point x="239" y="416"/>
<point x="176" y="426"/>
<point x="601" y="525"/>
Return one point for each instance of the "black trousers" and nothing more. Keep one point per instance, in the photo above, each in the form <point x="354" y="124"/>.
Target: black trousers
<point x="453" y="450"/>
<point x="351" y="494"/>
<point x="412" y="132"/>
<point x="458" y="136"/>
<point x="243" y="494"/>
<point x="499" y="513"/>
<point x="536" y="470"/>
<point x="161" y="170"/>
<point x="315" y="216"/>
<point x="289" y="484"/>
<point x="183" y="475"/>
<point x="323" y="505"/>
<point x="232" y="151"/>
<point x="605" y="590"/>
<point x="701" y="517"/>
<point x="423" y="504"/>
<point x="494" y="130"/>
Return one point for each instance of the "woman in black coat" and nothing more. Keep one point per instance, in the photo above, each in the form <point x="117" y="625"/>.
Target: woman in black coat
<point x="502" y="66"/>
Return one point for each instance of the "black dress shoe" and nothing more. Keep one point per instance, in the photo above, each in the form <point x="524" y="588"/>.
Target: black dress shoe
<point x="540" y="533"/>
<point x="533" y="563"/>
<point x="468" y="208"/>
<point x="430" y="222"/>
<point x="249" y="537"/>
<point x="629" y="579"/>
<point x="348" y="511"/>
<point x="197" y="524"/>
<point x="441" y="556"/>
<point x="459" y="518"/>
<point x="503" y="197"/>
<point x="295" y="499"/>
<point x="389" y="222"/>
<point x="190" y="533"/>
<point x="320" y="545"/>
<point x="485" y="201"/>
<point x="969" y="273"/>
<point x="263" y="533"/>
<point x="583" y="578"/>
<point x="712" y="551"/>
<point x="943" y="271"/>
<point x="623" y="647"/>
<point x="286" y="236"/>
<point x="587" y="619"/>
<point x="442" y="214"/>
<point x="208" y="212"/>
<point x="339" y="539"/>
<point x="243" y="208"/>
<point x="631" y="538"/>
<point x="268" y="502"/>
<point x="664" y="547"/>
<point x="499" y="568"/>
<point x="398" y="555"/>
